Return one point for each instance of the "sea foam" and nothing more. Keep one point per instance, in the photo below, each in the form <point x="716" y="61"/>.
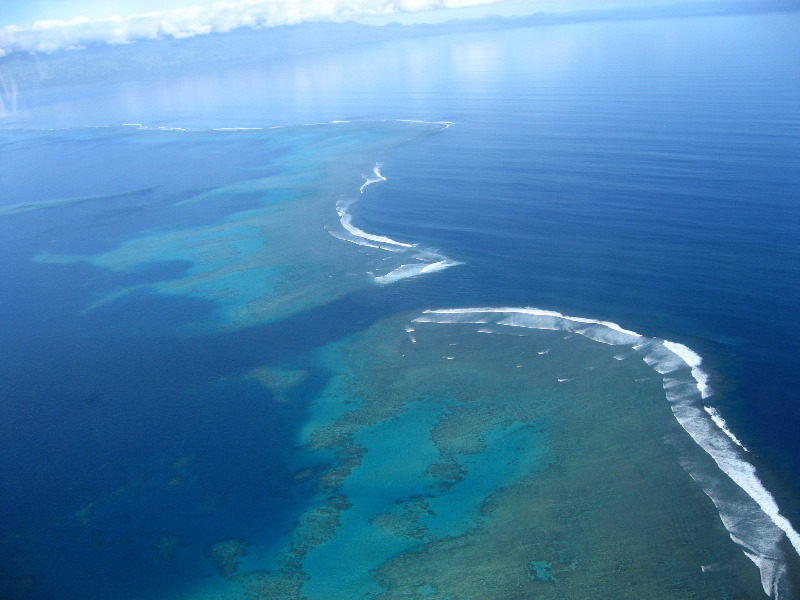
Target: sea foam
<point x="377" y="177"/>
<point x="405" y="271"/>
<point x="747" y="509"/>
<point x="346" y="219"/>
<point x="425" y="260"/>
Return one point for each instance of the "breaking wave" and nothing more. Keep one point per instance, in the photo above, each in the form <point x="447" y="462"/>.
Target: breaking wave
<point x="425" y="261"/>
<point x="747" y="509"/>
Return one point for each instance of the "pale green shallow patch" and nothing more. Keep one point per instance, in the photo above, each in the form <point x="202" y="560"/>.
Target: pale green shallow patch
<point x="266" y="263"/>
<point x="474" y="466"/>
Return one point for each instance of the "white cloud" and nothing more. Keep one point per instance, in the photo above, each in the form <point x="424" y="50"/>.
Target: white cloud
<point x="48" y="36"/>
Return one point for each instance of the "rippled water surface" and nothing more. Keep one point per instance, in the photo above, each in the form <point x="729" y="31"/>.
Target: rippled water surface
<point x="269" y="326"/>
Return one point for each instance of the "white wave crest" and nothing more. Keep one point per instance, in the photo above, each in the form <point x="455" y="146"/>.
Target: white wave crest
<point x="375" y="178"/>
<point x="720" y="422"/>
<point x="425" y="261"/>
<point x="406" y="271"/>
<point x="748" y="510"/>
<point x="346" y="219"/>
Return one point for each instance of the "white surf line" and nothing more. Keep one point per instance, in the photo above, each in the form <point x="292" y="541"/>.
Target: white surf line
<point x="152" y="127"/>
<point x="720" y="422"/>
<point x="446" y="124"/>
<point x="346" y="219"/>
<point x="405" y="271"/>
<point x="370" y="180"/>
<point x="361" y="242"/>
<point x="685" y="397"/>
<point x="426" y="261"/>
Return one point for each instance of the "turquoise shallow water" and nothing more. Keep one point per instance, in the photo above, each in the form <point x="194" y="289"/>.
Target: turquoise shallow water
<point x="546" y="466"/>
<point x="398" y="453"/>
<point x="221" y="381"/>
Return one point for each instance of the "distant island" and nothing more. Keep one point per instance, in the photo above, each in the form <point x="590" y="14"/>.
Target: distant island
<point x="114" y="62"/>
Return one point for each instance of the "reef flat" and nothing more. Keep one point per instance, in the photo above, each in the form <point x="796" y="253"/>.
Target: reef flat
<point x="468" y="462"/>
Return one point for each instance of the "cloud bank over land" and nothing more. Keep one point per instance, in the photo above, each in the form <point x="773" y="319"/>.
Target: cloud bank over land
<point x="225" y="16"/>
<point x="50" y="36"/>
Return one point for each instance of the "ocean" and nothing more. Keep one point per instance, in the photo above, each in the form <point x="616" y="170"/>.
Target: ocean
<point x="503" y="314"/>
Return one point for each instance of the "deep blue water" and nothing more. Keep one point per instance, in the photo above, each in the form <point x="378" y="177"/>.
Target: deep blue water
<point x="646" y="173"/>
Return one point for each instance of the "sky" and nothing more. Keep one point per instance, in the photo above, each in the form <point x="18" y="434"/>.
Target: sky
<point x="51" y="25"/>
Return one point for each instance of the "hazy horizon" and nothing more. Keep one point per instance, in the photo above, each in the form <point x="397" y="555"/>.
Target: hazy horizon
<point x="314" y="309"/>
<point x="46" y="27"/>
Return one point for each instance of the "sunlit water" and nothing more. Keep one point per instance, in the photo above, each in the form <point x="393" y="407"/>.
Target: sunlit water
<point x="221" y="381"/>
